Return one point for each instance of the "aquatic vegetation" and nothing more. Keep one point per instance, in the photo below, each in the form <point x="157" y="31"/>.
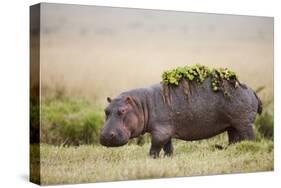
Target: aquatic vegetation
<point x="198" y="73"/>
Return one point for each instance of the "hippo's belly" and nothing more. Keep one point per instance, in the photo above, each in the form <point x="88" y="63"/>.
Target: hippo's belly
<point x="199" y="128"/>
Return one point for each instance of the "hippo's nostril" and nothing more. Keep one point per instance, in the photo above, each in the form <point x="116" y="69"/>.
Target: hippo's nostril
<point x="112" y="134"/>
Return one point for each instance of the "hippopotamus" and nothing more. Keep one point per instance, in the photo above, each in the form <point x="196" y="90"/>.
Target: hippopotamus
<point x="200" y="115"/>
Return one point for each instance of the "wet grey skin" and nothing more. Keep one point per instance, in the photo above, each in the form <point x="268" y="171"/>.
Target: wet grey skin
<point x="201" y="114"/>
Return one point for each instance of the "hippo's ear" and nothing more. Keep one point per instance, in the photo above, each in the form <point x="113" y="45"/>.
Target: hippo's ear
<point x="108" y="99"/>
<point x="129" y="100"/>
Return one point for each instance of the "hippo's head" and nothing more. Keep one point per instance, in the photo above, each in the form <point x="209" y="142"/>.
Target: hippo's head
<point x="122" y="122"/>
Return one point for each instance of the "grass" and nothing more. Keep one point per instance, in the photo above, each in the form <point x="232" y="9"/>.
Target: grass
<point x="63" y="165"/>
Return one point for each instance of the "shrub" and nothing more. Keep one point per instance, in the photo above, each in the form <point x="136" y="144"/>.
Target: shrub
<point x="264" y="125"/>
<point x="68" y="121"/>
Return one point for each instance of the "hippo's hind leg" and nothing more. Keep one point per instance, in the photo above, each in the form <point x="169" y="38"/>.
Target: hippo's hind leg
<point x="237" y="134"/>
<point x="168" y="148"/>
<point x="249" y="133"/>
<point x="233" y="135"/>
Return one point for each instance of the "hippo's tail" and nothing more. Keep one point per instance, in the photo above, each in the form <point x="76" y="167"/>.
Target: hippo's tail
<point x="259" y="104"/>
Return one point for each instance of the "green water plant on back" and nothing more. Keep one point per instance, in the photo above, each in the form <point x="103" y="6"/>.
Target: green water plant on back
<point x="199" y="73"/>
<point x="195" y="72"/>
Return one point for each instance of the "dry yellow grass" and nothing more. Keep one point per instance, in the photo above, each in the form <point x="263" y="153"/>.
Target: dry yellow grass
<point x="63" y="165"/>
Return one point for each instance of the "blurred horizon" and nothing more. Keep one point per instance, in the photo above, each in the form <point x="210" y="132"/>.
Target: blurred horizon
<point x="95" y="52"/>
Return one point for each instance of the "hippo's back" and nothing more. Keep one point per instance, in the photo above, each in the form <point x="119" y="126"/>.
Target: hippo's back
<point x="202" y="113"/>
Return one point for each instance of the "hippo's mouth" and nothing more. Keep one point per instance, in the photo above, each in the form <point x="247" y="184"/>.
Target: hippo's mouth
<point x="112" y="143"/>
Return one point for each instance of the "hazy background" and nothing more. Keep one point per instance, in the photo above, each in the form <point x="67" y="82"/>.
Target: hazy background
<point x="96" y="52"/>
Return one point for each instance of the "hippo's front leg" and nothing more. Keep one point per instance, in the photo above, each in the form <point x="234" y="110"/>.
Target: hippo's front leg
<point x="155" y="150"/>
<point x="168" y="148"/>
<point x="160" y="139"/>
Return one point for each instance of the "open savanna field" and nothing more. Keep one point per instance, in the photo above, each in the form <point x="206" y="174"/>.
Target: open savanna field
<point x="63" y="165"/>
<point x="90" y="53"/>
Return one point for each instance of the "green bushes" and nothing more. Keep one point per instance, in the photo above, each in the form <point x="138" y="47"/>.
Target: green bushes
<point x="264" y="125"/>
<point x="66" y="121"/>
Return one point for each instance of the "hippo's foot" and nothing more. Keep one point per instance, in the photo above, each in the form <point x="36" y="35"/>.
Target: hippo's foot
<point x="168" y="149"/>
<point x="154" y="151"/>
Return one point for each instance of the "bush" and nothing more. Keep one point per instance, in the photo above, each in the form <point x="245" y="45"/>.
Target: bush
<point x="66" y="121"/>
<point x="264" y="125"/>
